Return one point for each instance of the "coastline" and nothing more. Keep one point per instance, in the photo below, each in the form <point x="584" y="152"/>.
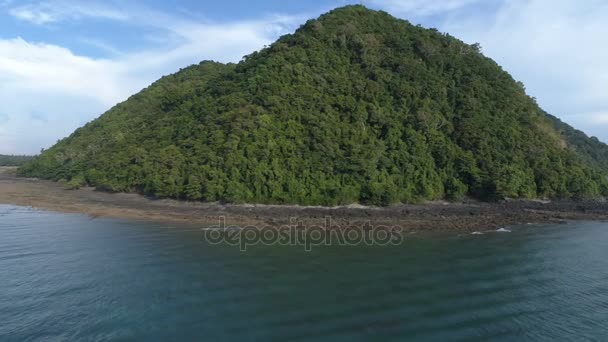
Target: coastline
<point x="440" y="216"/>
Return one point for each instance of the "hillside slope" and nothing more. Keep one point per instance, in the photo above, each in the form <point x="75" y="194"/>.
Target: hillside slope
<point x="591" y="150"/>
<point x="356" y="106"/>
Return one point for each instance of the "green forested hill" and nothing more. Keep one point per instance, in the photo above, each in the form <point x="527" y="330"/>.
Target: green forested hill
<point x="356" y="106"/>
<point x="10" y="160"/>
<point x="591" y="150"/>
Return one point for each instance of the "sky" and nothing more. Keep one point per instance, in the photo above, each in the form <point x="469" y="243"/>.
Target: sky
<point x="65" y="62"/>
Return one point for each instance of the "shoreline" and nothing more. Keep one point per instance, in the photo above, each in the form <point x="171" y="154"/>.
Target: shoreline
<point x="438" y="216"/>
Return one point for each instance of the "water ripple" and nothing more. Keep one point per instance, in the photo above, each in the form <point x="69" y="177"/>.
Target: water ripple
<point x="66" y="277"/>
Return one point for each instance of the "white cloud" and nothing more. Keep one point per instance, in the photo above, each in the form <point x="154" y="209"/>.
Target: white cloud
<point x="51" y="12"/>
<point x="421" y="7"/>
<point x="597" y="118"/>
<point x="47" y="91"/>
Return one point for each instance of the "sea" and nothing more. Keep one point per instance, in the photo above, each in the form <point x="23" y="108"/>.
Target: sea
<point x="66" y="277"/>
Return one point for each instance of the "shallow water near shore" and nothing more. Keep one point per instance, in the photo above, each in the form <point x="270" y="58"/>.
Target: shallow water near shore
<point x="70" y="277"/>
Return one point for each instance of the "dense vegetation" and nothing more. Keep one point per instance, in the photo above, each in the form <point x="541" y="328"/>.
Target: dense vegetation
<point x="356" y="106"/>
<point x="9" y="160"/>
<point x="591" y="149"/>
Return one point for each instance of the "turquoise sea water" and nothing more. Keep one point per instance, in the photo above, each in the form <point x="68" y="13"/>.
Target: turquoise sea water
<point x="69" y="277"/>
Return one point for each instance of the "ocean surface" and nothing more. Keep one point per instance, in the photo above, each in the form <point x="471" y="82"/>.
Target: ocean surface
<point x="71" y="277"/>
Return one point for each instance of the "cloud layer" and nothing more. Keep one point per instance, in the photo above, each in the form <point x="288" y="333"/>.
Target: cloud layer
<point x="50" y="12"/>
<point x="422" y="7"/>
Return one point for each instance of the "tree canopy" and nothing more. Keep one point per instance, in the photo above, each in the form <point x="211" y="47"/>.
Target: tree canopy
<point x="355" y="106"/>
<point x="11" y="160"/>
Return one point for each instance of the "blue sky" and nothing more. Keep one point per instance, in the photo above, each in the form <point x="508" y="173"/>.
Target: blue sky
<point x="65" y="62"/>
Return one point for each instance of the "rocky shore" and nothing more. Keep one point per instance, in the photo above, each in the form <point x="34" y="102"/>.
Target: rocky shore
<point x="436" y="216"/>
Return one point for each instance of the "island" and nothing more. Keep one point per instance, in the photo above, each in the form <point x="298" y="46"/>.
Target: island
<point x="357" y="114"/>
